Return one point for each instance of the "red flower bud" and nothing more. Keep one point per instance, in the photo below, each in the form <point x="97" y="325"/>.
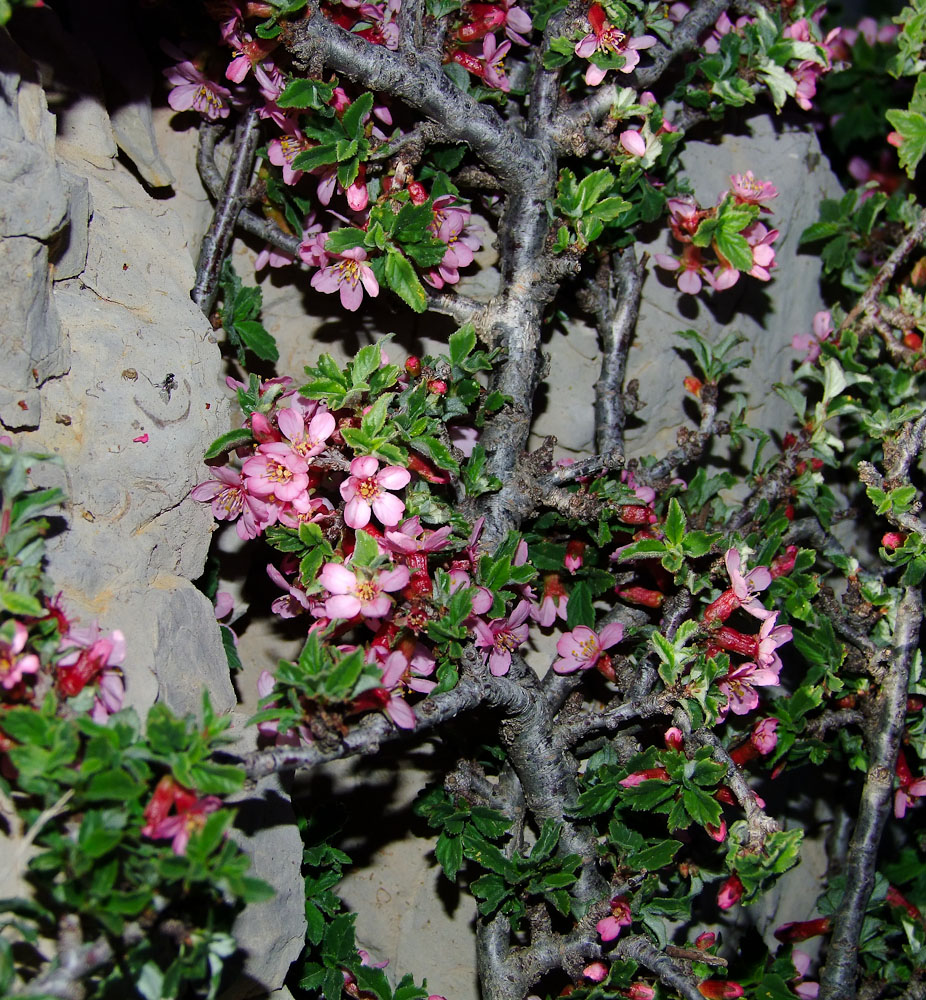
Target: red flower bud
<point x="784" y="563"/>
<point x="470" y="63"/>
<point x="789" y="511"/>
<point x="816" y="464"/>
<point x="894" y="898"/>
<point x="438" y="386"/>
<point x="603" y="666"/>
<point x="413" y="365"/>
<point x="425" y="469"/>
<point x="730" y="893"/>
<point x="736" y="642"/>
<point x="720" y="989"/>
<point x="634" y="514"/>
<point x="705" y="940"/>
<point x="721" y="609"/>
<point x="418" y="195"/>
<point x="693" y="385"/>
<point x="913" y="340"/>
<point x="640" y="595"/>
<point x="893" y="539"/>
<point x="802" y="930"/>
<point x="788" y="441"/>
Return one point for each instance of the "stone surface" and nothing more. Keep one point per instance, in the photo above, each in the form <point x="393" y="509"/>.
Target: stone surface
<point x="272" y="933"/>
<point x="33" y="209"/>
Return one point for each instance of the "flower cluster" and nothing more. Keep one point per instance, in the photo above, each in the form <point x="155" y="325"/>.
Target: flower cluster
<point x="720" y="243"/>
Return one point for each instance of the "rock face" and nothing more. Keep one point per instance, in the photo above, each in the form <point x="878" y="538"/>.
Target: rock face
<point x="110" y="366"/>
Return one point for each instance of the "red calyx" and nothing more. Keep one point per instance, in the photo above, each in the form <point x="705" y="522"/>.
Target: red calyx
<point x="418" y="195"/>
<point x="802" y="930"/>
<point x="784" y="563"/>
<point x="641" y="595"/>
<point x="736" y="642"/>
<point x="634" y="514"/>
<point x="470" y="63"/>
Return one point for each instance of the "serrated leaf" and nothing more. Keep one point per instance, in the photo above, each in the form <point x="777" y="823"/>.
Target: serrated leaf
<point x="226" y="442"/>
<point x="401" y="278"/>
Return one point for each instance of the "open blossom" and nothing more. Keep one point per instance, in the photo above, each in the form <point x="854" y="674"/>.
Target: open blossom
<point x="191" y="89"/>
<point x="363" y="592"/>
<point x="740" y="684"/>
<point x="581" y="648"/>
<point x="604" y="37"/>
<point x="230" y="500"/>
<point x="501" y="636"/>
<point x="14" y="667"/>
<point x="771" y="636"/>
<point x="348" y="274"/>
<point x="610" y="927"/>
<point x="553" y="602"/>
<point x="190" y="814"/>
<point x="91" y="656"/>
<point x="493" y="57"/>
<point x="365" y="491"/>
<point x="760" y="238"/>
<point x="764" y="736"/>
<point x="306" y="441"/>
<point x="689" y="266"/>
<point x="748" y="191"/>
<point x="283" y="150"/>
<point x="811" y="342"/>
<point x="276" y="471"/>
<point x="742" y="592"/>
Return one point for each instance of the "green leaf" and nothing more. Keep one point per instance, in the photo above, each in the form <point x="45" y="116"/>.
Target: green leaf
<point x="579" y="608"/>
<point x="654" y="856"/>
<point x="401" y="278"/>
<point x="461" y="344"/>
<point x="449" y="853"/>
<point x="258" y="340"/>
<point x="675" y="523"/>
<point x="112" y="785"/>
<point x="226" y="442"/>
<point x="303" y="93"/>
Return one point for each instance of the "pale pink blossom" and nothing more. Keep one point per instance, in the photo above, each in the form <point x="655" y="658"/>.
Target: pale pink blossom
<point x="604" y="37"/>
<point x="501" y="637"/>
<point x="363" y="592"/>
<point x="748" y="191"/>
<point x="365" y="492"/>
<point x="493" y="59"/>
<point x="276" y="471"/>
<point x="283" y="150"/>
<point x="581" y="648"/>
<point x="349" y="274"/>
<point x="745" y="588"/>
<point x="811" y="342"/>
<point x="191" y="89"/>
<point x="690" y="267"/>
<point x="14" y="667"/>
<point x="771" y="636"/>
<point x="306" y="441"/>
<point x="764" y="736"/>
<point x="610" y="927"/>
<point x="740" y="684"/>
<point x="231" y="500"/>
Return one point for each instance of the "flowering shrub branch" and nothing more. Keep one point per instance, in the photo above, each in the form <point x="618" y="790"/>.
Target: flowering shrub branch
<point x="695" y="647"/>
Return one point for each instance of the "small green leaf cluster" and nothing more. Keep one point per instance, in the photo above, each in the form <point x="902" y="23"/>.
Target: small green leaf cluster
<point x="239" y="314"/>
<point x="754" y="56"/>
<point x="468" y="833"/>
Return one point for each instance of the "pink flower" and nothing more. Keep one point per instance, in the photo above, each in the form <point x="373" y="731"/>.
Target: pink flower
<point x="190" y="816"/>
<point x="596" y="972"/>
<point x="295" y="600"/>
<point x="310" y="441"/>
<point x="412" y="538"/>
<point x="276" y="472"/>
<point x="365" y="492"/>
<point x="764" y="736"/>
<point x="748" y="191"/>
<point x="746" y="587"/>
<point x="89" y="656"/>
<point x="910" y="788"/>
<point x="191" y="89"/>
<point x="14" y="667"/>
<point x="363" y="592"/>
<point x="633" y="142"/>
<point x="493" y="57"/>
<point x="581" y="648"/>
<point x="730" y="892"/>
<point x="739" y="686"/>
<point x="282" y="151"/>
<point x="501" y="636"/>
<point x="609" y="928"/>
<point x="771" y="636"/>
<point x="689" y="266"/>
<point x="604" y="37"/>
<point x="346" y="274"/>
<point x="810" y="342"/>
<point x="761" y="238"/>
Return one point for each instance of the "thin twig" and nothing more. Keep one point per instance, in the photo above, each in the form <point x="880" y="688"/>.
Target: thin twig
<point x="670" y="974"/>
<point x="217" y="241"/>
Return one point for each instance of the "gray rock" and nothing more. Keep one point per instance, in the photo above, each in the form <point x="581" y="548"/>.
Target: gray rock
<point x="272" y="933"/>
<point x="69" y="251"/>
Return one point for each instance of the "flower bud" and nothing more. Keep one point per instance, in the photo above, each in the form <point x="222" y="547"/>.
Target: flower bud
<point x="417" y="192"/>
<point x="413" y="365"/>
<point x="802" y="930"/>
<point x="720" y="989"/>
<point x="596" y="972"/>
<point x="893" y="539"/>
<point x="693" y="385"/>
<point x="705" y="940"/>
<point x="438" y="386"/>
<point x="730" y="894"/>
